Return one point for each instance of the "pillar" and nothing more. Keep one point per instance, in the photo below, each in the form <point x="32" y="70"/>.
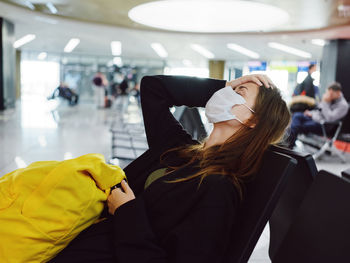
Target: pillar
<point x="18" y="74"/>
<point x="216" y="69"/>
<point x="335" y="67"/>
<point x="7" y="65"/>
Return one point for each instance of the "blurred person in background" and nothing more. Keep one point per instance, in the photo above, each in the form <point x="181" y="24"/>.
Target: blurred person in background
<point x="333" y="107"/>
<point x="100" y="82"/>
<point x="65" y="92"/>
<point x="307" y="87"/>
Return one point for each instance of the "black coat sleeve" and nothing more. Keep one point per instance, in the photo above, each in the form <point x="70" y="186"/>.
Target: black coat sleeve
<point x="203" y="235"/>
<point x="159" y="93"/>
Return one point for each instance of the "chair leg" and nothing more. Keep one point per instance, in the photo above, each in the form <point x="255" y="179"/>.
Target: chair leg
<point x="321" y="151"/>
<point x="328" y="146"/>
<point x="338" y="153"/>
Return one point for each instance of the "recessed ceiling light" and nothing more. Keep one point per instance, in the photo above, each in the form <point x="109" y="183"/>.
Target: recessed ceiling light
<point x="209" y="15"/>
<point x="116" y="47"/>
<point x="159" y="49"/>
<point x="203" y="51"/>
<point x="23" y="40"/>
<point x="71" y="45"/>
<point x="243" y="50"/>
<point x="29" y="4"/>
<point x="318" y="42"/>
<point x="42" y="55"/>
<point x="52" y="8"/>
<point x="290" y="50"/>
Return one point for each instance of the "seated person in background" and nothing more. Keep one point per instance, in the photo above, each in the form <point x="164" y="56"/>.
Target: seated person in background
<point x="333" y="107"/>
<point x="187" y="192"/>
<point x="65" y="92"/>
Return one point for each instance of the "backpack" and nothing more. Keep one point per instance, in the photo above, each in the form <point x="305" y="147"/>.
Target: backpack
<point x="47" y="204"/>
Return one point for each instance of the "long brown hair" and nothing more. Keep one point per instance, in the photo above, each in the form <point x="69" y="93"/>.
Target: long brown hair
<point x="240" y="155"/>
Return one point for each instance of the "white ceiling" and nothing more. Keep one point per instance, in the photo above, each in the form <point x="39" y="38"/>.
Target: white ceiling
<point x="96" y="38"/>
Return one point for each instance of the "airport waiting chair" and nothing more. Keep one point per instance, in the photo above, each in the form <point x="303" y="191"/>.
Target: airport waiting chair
<point x="320" y="231"/>
<point x="261" y="195"/>
<point x="191" y="121"/>
<point x="297" y="186"/>
<point x="331" y="131"/>
<point x="346" y="174"/>
<point x="334" y="129"/>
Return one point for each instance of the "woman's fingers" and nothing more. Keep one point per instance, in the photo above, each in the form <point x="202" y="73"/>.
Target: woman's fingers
<point x="126" y="187"/>
<point x="266" y="81"/>
<point x="257" y="81"/>
<point x="119" y="197"/>
<point x="263" y="79"/>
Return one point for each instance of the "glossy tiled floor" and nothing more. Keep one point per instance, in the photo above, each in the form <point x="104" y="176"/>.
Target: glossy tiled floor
<point x="38" y="130"/>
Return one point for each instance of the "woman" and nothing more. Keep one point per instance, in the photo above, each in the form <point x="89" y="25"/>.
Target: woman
<point x="186" y="215"/>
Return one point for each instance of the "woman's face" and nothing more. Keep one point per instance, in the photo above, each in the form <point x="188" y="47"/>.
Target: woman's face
<point x="249" y="91"/>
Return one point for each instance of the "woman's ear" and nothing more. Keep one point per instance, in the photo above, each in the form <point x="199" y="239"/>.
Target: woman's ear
<point x="251" y="123"/>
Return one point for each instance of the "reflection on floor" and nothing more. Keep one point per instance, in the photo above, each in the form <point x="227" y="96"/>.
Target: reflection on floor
<point x="38" y="130"/>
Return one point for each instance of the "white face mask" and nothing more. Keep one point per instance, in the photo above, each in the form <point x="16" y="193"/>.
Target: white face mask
<point x="218" y="107"/>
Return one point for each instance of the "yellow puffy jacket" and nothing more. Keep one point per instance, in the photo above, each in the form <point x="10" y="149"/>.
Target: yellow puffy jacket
<point x="44" y="206"/>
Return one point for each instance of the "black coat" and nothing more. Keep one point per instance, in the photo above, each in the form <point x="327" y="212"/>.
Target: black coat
<point x="172" y="222"/>
<point x="308" y="86"/>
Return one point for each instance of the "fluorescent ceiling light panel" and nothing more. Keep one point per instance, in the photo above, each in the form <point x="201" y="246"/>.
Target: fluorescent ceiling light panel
<point x="116" y="47"/>
<point x="318" y="42"/>
<point x="42" y="55"/>
<point x="209" y="16"/>
<point x="159" y="49"/>
<point x="52" y="8"/>
<point x="201" y="50"/>
<point x="24" y="40"/>
<point x="71" y="45"/>
<point x="29" y="4"/>
<point x="289" y="50"/>
<point x="243" y="50"/>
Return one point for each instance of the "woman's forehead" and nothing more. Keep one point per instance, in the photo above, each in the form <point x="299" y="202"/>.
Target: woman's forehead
<point x="250" y="86"/>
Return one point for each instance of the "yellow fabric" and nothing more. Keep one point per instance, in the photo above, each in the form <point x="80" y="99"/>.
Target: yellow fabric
<point x="44" y="206"/>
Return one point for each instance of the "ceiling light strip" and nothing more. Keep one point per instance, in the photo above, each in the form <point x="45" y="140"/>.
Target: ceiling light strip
<point x="72" y="43"/>
<point x="203" y="51"/>
<point x="42" y="55"/>
<point x="159" y="49"/>
<point x="243" y="50"/>
<point x="29" y="4"/>
<point x="318" y="42"/>
<point x="52" y="8"/>
<point x="289" y="50"/>
<point x="24" y="40"/>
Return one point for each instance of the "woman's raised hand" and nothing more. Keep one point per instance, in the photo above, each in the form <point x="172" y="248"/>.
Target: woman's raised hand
<point x="118" y="197"/>
<point x="259" y="79"/>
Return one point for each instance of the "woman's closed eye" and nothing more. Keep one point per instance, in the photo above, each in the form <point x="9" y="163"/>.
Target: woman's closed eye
<point x="241" y="90"/>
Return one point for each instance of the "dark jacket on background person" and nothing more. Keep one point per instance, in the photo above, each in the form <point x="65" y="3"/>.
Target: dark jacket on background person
<point x="167" y="222"/>
<point x="307" y="87"/>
